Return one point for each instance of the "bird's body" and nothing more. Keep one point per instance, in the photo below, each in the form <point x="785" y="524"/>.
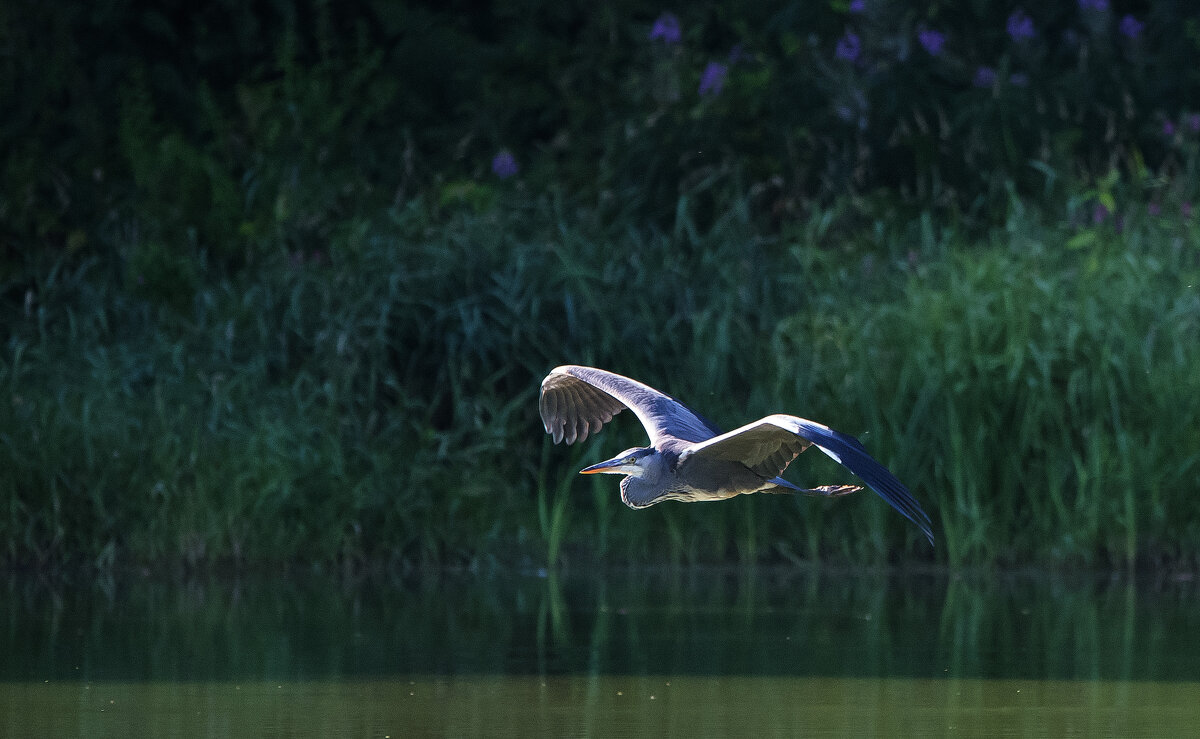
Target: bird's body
<point x="689" y="459"/>
<point x="702" y="480"/>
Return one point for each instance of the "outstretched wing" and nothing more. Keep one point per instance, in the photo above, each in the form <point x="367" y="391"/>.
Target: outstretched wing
<point x="577" y="401"/>
<point x="769" y="445"/>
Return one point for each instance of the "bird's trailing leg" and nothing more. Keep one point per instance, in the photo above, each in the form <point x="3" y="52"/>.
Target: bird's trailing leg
<point x="831" y="491"/>
<point x="824" y="491"/>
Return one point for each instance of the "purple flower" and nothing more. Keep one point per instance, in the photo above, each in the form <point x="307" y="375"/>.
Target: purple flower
<point x="666" y="29"/>
<point x="1018" y="79"/>
<point x="1130" y="27"/>
<point x="1154" y="209"/>
<point x="848" y="47"/>
<point x="1020" y="26"/>
<point x="1168" y="129"/>
<point x="858" y="6"/>
<point x="712" y="80"/>
<point x="504" y="165"/>
<point x="1097" y="5"/>
<point x="1185" y="210"/>
<point x="1194" y="122"/>
<point x="932" y="40"/>
<point x="985" y="77"/>
<point x="1099" y="213"/>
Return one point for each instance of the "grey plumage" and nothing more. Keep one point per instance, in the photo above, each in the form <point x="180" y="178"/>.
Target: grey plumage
<point x="689" y="459"/>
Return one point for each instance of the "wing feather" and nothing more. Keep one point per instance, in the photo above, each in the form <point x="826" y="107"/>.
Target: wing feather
<point x="577" y="401"/>
<point x="765" y="443"/>
<point x="548" y="405"/>
<point x="576" y="407"/>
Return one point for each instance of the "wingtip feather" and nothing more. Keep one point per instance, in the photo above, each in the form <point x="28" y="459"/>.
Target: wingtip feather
<point x="851" y="454"/>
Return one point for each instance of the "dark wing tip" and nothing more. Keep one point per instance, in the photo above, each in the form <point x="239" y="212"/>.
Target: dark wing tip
<point x="885" y="484"/>
<point x="898" y="496"/>
<point x="854" y="457"/>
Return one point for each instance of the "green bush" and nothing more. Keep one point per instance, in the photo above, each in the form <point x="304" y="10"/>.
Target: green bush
<point x="237" y="125"/>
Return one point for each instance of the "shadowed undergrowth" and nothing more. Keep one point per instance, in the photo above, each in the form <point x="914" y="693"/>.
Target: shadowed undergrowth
<point x="376" y="402"/>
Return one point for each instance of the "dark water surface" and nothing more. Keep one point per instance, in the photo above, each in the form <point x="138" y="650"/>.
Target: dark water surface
<point x="691" y="652"/>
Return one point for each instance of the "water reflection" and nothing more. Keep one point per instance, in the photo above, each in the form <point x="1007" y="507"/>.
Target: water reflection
<point x="818" y="623"/>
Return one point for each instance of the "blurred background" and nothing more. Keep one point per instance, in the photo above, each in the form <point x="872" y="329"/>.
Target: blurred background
<point x="279" y="280"/>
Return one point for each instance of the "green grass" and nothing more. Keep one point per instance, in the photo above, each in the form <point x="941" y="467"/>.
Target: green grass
<point x="376" y="403"/>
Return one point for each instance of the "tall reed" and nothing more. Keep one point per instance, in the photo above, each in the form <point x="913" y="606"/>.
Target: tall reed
<point x="376" y="402"/>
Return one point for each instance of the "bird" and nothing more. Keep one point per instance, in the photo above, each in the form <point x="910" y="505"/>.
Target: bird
<point x="689" y="459"/>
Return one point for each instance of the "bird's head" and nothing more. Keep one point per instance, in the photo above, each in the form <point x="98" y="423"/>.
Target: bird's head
<point x="630" y="462"/>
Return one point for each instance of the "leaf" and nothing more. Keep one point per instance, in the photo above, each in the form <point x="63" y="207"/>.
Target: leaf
<point x="1082" y="239"/>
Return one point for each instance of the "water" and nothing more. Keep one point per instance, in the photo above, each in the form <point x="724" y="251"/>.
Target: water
<point x="520" y="706"/>
<point x="615" y="654"/>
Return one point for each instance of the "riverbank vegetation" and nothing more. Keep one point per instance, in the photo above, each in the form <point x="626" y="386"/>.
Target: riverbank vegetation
<point x="274" y="291"/>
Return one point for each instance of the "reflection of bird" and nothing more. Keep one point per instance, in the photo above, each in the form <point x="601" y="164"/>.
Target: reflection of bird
<point x="689" y="459"/>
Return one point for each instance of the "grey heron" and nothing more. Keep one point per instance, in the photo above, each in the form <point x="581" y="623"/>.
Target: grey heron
<point x="689" y="459"/>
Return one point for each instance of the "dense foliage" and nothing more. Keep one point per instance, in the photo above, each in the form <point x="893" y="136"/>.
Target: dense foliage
<point x="278" y="282"/>
<point x="240" y="125"/>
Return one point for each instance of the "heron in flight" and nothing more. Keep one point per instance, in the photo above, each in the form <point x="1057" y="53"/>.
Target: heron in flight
<point x="689" y="459"/>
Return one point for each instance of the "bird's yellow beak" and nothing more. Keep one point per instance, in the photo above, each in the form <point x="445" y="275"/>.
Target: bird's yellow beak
<point x="610" y="466"/>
